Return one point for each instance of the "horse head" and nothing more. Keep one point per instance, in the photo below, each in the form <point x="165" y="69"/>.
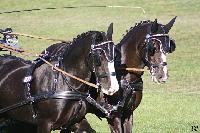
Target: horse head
<point x="147" y="44"/>
<point x="158" y="45"/>
<point x="103" y="62"/>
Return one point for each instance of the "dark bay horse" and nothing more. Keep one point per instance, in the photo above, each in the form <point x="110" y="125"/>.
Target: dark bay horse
<point x="47" y="99"/>
<point x="145" y="44"/>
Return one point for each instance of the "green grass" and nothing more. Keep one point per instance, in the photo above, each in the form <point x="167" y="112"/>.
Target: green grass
<point x="169" y="108"/>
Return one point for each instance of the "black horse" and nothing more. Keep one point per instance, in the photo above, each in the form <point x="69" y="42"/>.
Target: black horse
<point x="145" y="44"/>
<point x="46" y="98"/>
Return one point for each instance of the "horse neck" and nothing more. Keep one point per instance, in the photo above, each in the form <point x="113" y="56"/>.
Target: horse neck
<point x="75" y="59"/>
<point x="131" y="49"/>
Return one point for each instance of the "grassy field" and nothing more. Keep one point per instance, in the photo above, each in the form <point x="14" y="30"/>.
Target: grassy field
<point x="170" y="108"/>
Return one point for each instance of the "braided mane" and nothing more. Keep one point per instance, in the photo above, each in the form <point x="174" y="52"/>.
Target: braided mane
<point x="84" y="34"/>
<point x="132" y="29"/>
<point x="58" y="49"/>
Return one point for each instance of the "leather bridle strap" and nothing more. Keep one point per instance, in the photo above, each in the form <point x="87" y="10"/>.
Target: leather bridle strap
<point x="71" y="95"/>
<point x="135" y="69"/>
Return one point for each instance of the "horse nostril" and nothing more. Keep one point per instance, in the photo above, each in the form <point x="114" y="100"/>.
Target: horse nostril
<point x="155" y="66"/>
<point x="162" y="78"/>
<point x="164" y="63"/>
<point x="113" y="73"/>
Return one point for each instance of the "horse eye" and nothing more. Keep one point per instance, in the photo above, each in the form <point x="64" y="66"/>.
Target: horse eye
<point x="152" y="51"/>
<point x="97" y="60"/>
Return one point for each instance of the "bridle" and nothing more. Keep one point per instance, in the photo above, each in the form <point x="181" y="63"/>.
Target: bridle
<point x="148" y="41"/>
<point x="137" y="84"/>
<point x="110" y="58"/>
<point x="94" y="51"/>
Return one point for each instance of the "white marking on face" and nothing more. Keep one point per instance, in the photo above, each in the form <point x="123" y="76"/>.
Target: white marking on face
<point x="163" y="57"/>
<point x="114" y="83"/>
<point x="153" y="75"/>
<point x="154" y="79"/>
<point x="165" y="74"/>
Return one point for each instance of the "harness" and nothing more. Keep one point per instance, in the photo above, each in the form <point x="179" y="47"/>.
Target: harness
<point x="74" y="94"/>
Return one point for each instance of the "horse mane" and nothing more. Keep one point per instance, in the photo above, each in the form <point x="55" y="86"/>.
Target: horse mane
<point x="83" y="35"/>
<point x="58" y="49"/>
<point x="132" y="29"/>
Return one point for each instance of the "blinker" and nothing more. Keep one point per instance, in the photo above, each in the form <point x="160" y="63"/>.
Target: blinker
<point x="150" y="48"/>
<point x="97" y="61"/>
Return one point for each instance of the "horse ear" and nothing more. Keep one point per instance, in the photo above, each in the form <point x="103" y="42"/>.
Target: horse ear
<point x="154" y="26"/>
<point x="169" y="25"/>
<point x="110" y="32"/>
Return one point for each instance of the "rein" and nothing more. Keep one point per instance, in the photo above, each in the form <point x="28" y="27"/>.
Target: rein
<point x="72" y="76"/>
<point x="22" y="52"/>
<point x="37" y="37"/>
<point x="135" y="69"/>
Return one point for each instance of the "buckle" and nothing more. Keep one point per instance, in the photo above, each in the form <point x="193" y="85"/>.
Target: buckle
<point x="27" y="79"/>
<point x="56" y="65"/>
